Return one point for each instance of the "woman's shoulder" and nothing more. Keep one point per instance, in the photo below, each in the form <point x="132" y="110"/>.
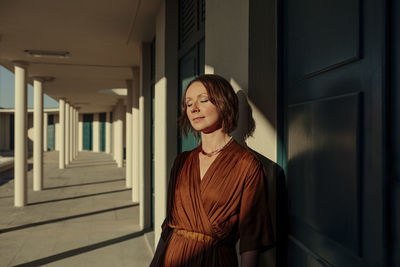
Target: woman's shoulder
<point x="181" y="157"/>
<point x="245" y="155"/>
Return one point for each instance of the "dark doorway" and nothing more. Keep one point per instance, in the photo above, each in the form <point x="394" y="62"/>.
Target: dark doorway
<point x="50" y="132"/>
<point x="87" y="131"/>
<point x="102" y="117"/>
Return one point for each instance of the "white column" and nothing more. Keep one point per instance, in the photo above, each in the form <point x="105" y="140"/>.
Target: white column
<point x="71" y="141"/>
<point x="67" y="107"/>
<point x="129" y="137"/>
<point x="38" y="135"/>
<point x="80" y="134"/>
<point x="62" y="138"/>
<point x="73" y="133"/>
<point x="135" y="135"/>
<point x="119" y="135"/>
<point x="96" y="132"/>
<point x="75" y="126"/>
<point x="20" y="136"/>
<point x="76" y="132"/>
<point x="45" y="125"/>
<point x="113" y="121"/>
<point x="108" y="133"/>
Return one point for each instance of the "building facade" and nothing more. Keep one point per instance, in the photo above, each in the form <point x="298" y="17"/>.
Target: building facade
<point x="318" y="82"/>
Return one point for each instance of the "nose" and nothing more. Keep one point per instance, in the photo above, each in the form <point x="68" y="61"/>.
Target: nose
<point x="195" y="107"/>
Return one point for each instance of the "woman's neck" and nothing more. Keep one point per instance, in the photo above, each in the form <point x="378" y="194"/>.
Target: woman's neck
<point x="213" y="141"/>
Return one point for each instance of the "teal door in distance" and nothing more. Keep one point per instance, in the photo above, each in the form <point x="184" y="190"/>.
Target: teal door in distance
<point x="50" y="132"/>
<point x="87" y="131"/>
<point x="102" y="132"/>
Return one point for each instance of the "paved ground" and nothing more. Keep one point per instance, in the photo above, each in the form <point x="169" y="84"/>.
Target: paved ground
<point x="84" y="217"/>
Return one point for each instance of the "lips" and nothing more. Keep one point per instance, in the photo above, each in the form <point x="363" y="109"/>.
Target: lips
<point x="197" y="119"/>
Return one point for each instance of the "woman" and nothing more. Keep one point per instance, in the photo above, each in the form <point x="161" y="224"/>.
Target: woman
<point x="216" y="192"/>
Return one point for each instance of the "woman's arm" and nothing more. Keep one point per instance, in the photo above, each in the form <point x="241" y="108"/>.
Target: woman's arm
<point x="160" y="248"/>
<point x="249" y="258"/>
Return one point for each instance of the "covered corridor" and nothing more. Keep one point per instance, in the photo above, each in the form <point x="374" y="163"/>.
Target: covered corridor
<point x="84" y="216"/>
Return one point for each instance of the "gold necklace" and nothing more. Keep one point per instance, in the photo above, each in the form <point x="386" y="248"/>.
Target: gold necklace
<point x="212" y="153"/>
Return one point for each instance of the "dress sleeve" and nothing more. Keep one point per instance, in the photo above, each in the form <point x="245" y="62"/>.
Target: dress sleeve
<point x="255" y="228"/>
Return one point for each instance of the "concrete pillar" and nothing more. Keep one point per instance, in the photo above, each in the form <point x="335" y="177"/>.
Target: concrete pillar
<point x="96" y="132"/>
<point x="108" y="133"/>
<point x="80" y="134"/>
<point x="165" y="113"/>
<point x="62" y="138"/>
<point x="20" y="135"/>
<point x="113" y="121"/>
<point x="71" y="141"/>
<point x="76" y="132"/>
<point x="38" y="135"/>
<point x="75" y="126"/>
<point x="129" y="137"/>
<point x="73" y="133"/>
<point x="119" y="135"/>
<point x="45" y="125"/>
<point x="67" y="107"/>
<point x="135" y="135"/>
<point x="145" y="139"/>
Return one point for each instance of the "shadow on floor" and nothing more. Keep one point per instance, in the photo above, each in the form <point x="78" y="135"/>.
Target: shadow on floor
<point x="73" y="185"/>
<point x="77" y="251"/>
<point x="8" y="175"/>
<point x="75" y="166"/>
<point x="76" y="197"/>
<point x="20" y="227"/>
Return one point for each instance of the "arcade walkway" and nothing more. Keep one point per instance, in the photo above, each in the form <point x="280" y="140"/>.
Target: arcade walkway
<point x="83" y="217"/>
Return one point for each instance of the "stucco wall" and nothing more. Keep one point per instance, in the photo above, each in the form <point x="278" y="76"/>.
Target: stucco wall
<point x="165" y="99"/>
<point x="247" y="58"/>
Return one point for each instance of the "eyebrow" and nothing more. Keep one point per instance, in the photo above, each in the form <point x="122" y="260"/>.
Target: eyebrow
<point x="188" y="98"/>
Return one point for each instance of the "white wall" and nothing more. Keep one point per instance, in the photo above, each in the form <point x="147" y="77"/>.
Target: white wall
<point x="166" y="94"/>
<point x="96" y="132"/>
<point x="248" y="60"/>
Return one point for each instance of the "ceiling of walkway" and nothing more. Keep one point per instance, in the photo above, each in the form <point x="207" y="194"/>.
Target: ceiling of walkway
<point x="103" y="38"/>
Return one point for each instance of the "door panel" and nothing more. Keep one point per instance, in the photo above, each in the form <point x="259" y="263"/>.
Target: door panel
<point x="102" y="118"/>
<point x="394" y="144"/>
<point x="50" y="133"/>
<point x="333" y="86"/>
<point x="87" y="131"/>
<point x="189" y="68"/>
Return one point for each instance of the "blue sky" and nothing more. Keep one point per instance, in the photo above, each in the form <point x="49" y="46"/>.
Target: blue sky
<point x="7" y="92"/>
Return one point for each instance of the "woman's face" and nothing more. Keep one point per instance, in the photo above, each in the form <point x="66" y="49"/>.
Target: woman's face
<point x="203" y="115"/>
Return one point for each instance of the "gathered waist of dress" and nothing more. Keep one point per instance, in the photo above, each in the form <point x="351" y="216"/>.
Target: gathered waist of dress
<point x="194" y="235"/>
<point x="204" y="238"/>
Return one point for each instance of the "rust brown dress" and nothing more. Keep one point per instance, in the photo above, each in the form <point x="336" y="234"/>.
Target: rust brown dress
<point x="205" y="218"/>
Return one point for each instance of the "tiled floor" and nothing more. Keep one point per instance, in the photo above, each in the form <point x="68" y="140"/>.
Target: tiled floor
<point x="83" y="217"/>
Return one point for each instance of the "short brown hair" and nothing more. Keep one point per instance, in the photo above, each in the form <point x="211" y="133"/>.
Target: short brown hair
<point x="222" y="95"/>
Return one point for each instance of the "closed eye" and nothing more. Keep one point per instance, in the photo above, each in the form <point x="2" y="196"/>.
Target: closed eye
<point x="204" y="101"/>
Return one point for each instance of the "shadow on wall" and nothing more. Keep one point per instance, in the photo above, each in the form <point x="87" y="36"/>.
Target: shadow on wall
<point x="275" y="186"/>
<point x="264" y="139"/>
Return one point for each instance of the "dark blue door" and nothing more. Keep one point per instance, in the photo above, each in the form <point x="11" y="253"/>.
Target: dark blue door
<point x="333" y="81"/>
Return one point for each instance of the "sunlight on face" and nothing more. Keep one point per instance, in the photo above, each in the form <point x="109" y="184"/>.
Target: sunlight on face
<point x="203" y="115"/>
